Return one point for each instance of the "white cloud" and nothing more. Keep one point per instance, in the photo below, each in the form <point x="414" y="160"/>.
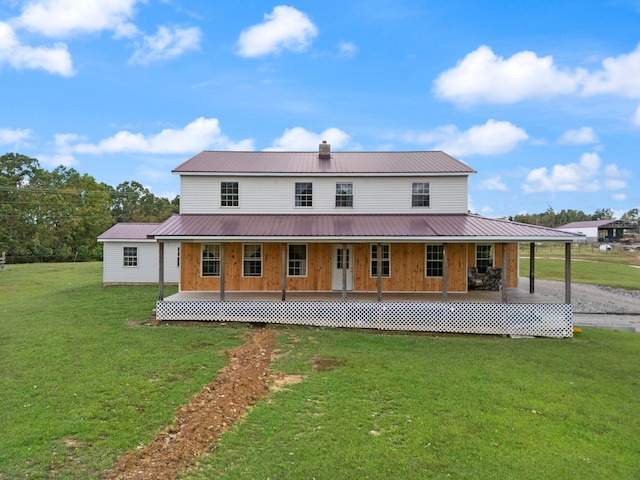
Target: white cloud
<point x="636" y="117"/>
<point x="285" y="28"/>
<point x="201" y="134"/>
<point x="347" y="49"/>
<point x="57" y="159"/>
<point x="494" y="183"/>
<point x="482" y="76"/>
<point x="298" y="139"/>
<point x="11" y="136"/>
<point x="55" y="59"/>
<point x="585" y="176"/>
<point x="492" y="138"/>
<point x="580" y="136"/>
<point x="618" y="197"/>
<point x="166" y="44"/>
<point x="619" y="76"/>
<point x="63" y="18"/>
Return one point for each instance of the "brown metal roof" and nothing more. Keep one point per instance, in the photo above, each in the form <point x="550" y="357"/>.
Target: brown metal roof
<point x="129" y="231"/>
<point x="430" y="227"/>
<point x="599" y="224"/>
<point x="339" y="163"/>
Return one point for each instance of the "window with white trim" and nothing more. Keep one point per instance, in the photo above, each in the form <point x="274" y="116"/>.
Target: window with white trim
<point x="252" y="260"/>
<point x="297" y="260"/>
<point x="434" y="260"/>
<point x="229" y="194"/>
<point x="420" y="194"/>
<point x="385" y="262"/>
<point x="344" y="194"/>
<point x="484" y="258"/>
<point x="210" y="260"/>
<point x="304" y="194"/>
<point x="130" y="256"/>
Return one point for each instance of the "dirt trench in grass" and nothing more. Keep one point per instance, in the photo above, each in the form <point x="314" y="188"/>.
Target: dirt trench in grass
<point x="209" y="413"/>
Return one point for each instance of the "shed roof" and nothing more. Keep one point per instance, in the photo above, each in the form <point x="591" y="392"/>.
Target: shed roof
<point x="129" y="231"/>
<point x="337" y="228"/>
<point x="600" y="224"/>
<point x="339" y="163"/>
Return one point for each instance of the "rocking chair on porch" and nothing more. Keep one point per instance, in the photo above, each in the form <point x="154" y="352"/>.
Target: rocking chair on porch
<point x="491" y="280"/>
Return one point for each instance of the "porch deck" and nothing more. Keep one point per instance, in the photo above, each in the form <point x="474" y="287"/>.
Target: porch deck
<point x="479" y="312"/>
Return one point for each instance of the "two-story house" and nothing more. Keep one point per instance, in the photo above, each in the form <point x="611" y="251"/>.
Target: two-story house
<point x="342" y="222"/>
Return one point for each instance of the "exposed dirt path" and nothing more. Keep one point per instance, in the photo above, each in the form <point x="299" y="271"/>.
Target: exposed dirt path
<point x="209" y="413"/>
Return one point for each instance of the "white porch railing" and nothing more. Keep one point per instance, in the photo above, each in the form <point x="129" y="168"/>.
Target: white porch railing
<point x="540" y="320"/>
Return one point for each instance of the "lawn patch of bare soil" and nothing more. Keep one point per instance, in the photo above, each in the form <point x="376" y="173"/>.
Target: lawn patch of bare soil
<point x="209" y="413"/>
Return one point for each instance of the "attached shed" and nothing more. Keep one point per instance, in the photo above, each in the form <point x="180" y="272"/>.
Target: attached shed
<point x="599" y="230"/>
<point x="130" y="256"/>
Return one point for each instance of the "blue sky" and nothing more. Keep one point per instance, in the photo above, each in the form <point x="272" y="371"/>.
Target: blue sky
<point x="542" y="98"/>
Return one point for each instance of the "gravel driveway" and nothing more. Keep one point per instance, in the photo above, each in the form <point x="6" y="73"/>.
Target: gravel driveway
<point x="594" y="305"/>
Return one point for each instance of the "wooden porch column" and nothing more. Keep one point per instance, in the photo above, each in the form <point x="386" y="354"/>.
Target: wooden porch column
<point x="379" y="270"/>
<point x="503" y="277"/>
<point x="344" y="271"/>
<point x="283" y="280"/>
<point x="222" y="261"/>
<point x="532" y="268"/>
<point x="445" y="272"/>
<point x="160" y="271"/>
<point x="567" y="273"/>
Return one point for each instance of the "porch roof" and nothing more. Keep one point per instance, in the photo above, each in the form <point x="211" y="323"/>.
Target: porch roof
<point x="352" y="228"/>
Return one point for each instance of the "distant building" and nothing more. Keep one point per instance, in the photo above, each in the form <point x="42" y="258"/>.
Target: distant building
<point x="599" y="230"/>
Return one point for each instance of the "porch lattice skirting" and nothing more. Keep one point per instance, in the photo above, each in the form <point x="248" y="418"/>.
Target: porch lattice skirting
<point x="540" y="320"/>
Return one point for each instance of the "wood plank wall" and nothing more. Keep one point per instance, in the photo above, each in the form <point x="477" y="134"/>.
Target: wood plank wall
<point x="407" y="269"/>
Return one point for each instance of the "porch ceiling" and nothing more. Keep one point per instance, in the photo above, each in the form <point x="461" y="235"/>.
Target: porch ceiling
<point x="352" y="228"/>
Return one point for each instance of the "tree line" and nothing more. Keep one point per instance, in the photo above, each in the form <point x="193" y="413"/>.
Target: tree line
<point x="57" y="215"/>
<point x="552" y="219"/>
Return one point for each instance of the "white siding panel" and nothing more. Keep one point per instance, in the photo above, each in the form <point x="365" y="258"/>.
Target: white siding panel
<point x="147" y="269"/>
<point x="277" y="194"/>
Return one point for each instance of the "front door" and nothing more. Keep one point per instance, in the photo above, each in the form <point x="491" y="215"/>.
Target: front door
<point x="342" y="260"/>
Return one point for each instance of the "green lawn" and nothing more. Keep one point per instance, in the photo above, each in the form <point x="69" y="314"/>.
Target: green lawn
<point x="82" y="380"/>
<point x="615" y="268"/>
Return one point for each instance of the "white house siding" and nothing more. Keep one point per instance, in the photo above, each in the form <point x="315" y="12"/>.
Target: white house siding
<point x="114" y="273"/>
<point x="201" y="194"/>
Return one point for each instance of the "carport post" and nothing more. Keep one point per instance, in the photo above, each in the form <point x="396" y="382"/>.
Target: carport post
<point x="567" y="273"/>
<point x="379" y="270"/>
<point x="283" y="281"/>
<point x="345" y="259"/>
<point x="532" y="268"/>
<point x="505" y="268"/>
<point x="160" y="271"/>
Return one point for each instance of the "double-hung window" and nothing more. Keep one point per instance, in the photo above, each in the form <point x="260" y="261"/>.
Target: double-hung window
<point x="211" y="260"/>
<point x="228" y="194"/>
<point x="484" y="258"/>
<point x="385" y="263"/>
<point x="344" y="194"/>
<point x="130" y="256"/>
<point x="420" y="194"/>
<point x="252" y="260"/>
<point x="434" y="255"/>
<point x="297" y="260"/>
<point x="304" y="194"/>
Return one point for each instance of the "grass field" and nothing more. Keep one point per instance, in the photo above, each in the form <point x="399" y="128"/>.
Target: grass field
<point x="615" y="268"/>
<point x="82" y="380"/>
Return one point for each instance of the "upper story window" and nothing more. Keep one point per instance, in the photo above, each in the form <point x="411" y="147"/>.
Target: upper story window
<point x="385" y="262"/>
<point x="252" y="260"/>
<point x="434" y="255"/>
<point x="130" y="256"/>
<point x="304" y="194"/>
<point x="344" y="194"/>
<point x="484" y="258"/>
<point x="211" y="260"/>
<point x="228" y="194"/>
<point x="297" y="260"/>
<point x="420" y="194"/>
